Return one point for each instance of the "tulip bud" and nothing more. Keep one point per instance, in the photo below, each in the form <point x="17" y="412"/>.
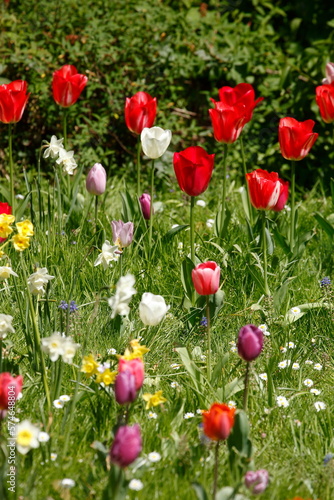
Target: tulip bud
<point x="145" y="203"/>
<point x="136" y="367"/>
<point x="152" y="309"/>
<point x="218" y="421"/>
<point x="206" y="278"/>
<point x="122" y="233"/>
<point x="329" y="74"/>
<point x="9" y="389"/>
<point x="96" y="180"/>
<point x="155" y="141"/>
<point x="257" y="481"/>
<point x="127" y="445"/>
<point x="125" y="387"/>
<point x="250" y="342"/>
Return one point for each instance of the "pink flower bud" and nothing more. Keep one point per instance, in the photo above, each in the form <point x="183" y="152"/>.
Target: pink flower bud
<point x="122" y="233"/>
<point x="145" y="203"/>
<point x="206" y="278"/>
<point x="250" y="342"/>
<point x="257" y="481"/>
<point x="125" y="387"/>
<point x="136" y="367"/>
<point x="96" y="180"/>
<point x="127" y="445"/>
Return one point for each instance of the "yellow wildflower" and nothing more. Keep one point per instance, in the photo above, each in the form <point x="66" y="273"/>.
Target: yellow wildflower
<point x="107" y="377"/>
<point x="20" y="242"/>
<point x="7" y="219"/>
<point x="89" y="365"/>
<point x="5" y="229"/>
<point x="153" y="399"/>
<point x="135" y="351"/>
<point x="25" y="228"/>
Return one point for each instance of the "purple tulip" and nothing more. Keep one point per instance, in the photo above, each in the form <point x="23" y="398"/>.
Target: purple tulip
<point x="145" y="203"/>
<point x="250" y="342"/>
<point x="96" y="180"/>
<point x="127" y="445"/>
<point x="257" y="481"/>
<point x="125" y="387"/>
<point x="122" y="233"/>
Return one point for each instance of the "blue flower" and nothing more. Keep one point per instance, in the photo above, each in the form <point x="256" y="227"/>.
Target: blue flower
<point x="328" y="458"/>
<point x="63" y="305"/>
<point x="73" y="306"/>
<point x="204" y="321"/>
<point x="325" y="281"/>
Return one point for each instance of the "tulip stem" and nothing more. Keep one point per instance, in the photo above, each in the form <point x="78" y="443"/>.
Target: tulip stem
<point x="293" y="208"/>
<point x="215" y="473"/>
<point x="151" y="210"/>
<point x="264" y="247"/>
<point x="65" y="128"/>
<point x="138" y="166"/>
<point x="11" y="167"/>
<point x="224" y="191"/>
<point x="250" y="211"/>
<point x="245" y="401"/>
<point x="96" y="211"/>
<point x="192" y="229"/>
<point x="208" y="330"/>
<point x="0" y="355"/>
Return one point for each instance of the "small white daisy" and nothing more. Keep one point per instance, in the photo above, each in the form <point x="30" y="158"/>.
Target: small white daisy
<point x="234" y="349"/>
<point x="232" y="404"/>
<point x="58" y="404"/>
<point x="203" y="357"/>
<point x="263" y="376"/>
<point x="152" y="415"/>
<point x="284" y="363"/>
<point x="308" y="382"/>
<point x="67" y="483"/>
<point x="175" y="366"/>
<point x="316" y="392"/>
<point x="136" y="485"/>
<point x="319" y="405"/>
<point x="64" y="398"/>
<point x="210" y="223"/>
<point x="308" y="362"/>
<point x="263" y="327"/>
<point x="283" y="349"/>
<point x="313" y="341"/>
<point x="317" y="366"/>
<point x="291" y="345"/>
<point x="295" y="366"/>
<point x="295" y="310"/>
<point x="43" y="437"/>
<point x="266" y="333"/>
<point x="297" y="422"/>
<point x="174" y="385"/>
<point x="111" y="351"/>
<point x="53" y="456"/>
<point x="201" y="203"/>
<point x="282" y="402"/>
<point x="188" y="415"/>
<point x="154" y="456"/>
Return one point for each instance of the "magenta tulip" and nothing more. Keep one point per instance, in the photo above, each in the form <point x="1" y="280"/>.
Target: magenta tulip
<point x="250" y="342"/>
<point x="127" y="445"/>
<point x="125" y="387"/>
<point x="206" y="278"/>
<point x="145" y="203"/>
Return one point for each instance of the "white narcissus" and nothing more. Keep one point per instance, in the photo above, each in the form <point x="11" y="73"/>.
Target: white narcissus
<point x="152" y="309"/>
<point x="53" y="147"/>
<point x="5" y="325"/>
<point x="26" y="436"/>
<point x="107" y="255"/>
<point x="5" y="272"/>
<point x="37" y="280"/>
<point x="119" y="303"/>
<point x="155" y="141"/>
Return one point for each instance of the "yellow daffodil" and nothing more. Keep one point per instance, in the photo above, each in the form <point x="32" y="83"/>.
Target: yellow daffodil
<point x="25" y="228"/>
<point x="135" y="351"/>
<point x="89" y="365"/>
<point x="153" y="399"/>
<point x="107" y="377"/>
<point x="7" y="219"/>
<point x="5" y="230"/>
<point x="20" y="242"/>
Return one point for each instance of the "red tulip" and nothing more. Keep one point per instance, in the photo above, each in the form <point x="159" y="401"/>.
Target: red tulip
<point x="193" y="169"/>
<point x="296" y="138"/>
<point x="218" y="421"/>
<point x="126" y="446"/>
<point x="266" y="190"/>
<point x="67" y="85"/>
<point x="250" y="342"/>
<point x="325" y="100"/>
<point x="140" y="112"/>
<point x="228" y="121"/>
<point x="4" y="209"/>
<point x="9" y="389"/>
<point x="136" y="367"/>
<point x="206" y="278"/>
<point x="13" y="100"/>
<point x="241" y="94"/>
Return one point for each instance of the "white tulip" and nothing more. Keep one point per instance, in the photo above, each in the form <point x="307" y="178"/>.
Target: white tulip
<point x="155" y="141"/>
<point x="152" y="309"/>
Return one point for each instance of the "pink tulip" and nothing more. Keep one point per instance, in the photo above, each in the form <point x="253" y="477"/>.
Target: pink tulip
<point x="122" y="233"/>
<point x="206" y="278"/>
<point x="145" y="203"/>
<point x="96" y="180"/>
<point x="257" y="481"/>
<point x="127" y="445"/>
<point x="136" y="367"/>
